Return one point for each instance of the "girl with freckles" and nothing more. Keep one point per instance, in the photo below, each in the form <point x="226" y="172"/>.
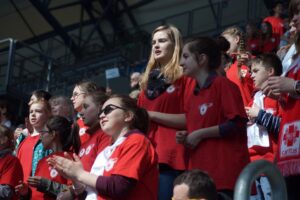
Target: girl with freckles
<point x="127" y="168"/>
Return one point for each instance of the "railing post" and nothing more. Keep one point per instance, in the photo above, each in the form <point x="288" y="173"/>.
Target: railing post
<point x="251" y="172"/>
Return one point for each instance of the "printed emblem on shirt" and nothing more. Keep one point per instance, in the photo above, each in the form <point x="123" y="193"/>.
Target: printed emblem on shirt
<point x="88" y="149"/>
<point x="203" y="108"/>
<point x="82" y="151"/>
<point x="82" y="131"/>
<point x="244" y="72"/>
<point x="110" y="164"/>
<point x="171" y="89"/>
<point x="53" y="173"/>
<point x="290" y="139"/>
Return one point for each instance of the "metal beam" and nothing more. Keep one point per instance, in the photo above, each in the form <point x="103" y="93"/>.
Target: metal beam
<point x="56" y="26"/>
<point x="130" y="15"/>
<point x="88" y="7"/>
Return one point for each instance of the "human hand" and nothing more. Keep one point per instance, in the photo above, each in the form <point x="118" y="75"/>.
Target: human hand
<point x="193" y="139"/>
<point x="277" y="85"/>
<point x="181" y="136"/>
<point x="67" y="167"/>
<point x="65" y="195"/>
<point x="34" y="181"/>
<point x="22" y="189"/>
<point x="252" y="112"/>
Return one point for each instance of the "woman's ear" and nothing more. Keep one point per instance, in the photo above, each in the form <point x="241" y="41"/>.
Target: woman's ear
<point x="128" y="116"/>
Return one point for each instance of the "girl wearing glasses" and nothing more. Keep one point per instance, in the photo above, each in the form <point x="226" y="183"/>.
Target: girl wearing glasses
<point x="216" y="119"/>
<point x="81" y="90"/>
<point x="164" y="91"/>
<point x="10" y="168"/>
<point x="127" y="168"/>
<point x="31" y="150"/>
<point x="59" y="136"/>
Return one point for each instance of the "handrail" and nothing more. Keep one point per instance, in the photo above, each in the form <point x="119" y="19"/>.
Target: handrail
<point x="251" y="172"/>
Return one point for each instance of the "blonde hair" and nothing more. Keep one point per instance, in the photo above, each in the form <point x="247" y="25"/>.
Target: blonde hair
<point x="236" y="32"/>
<point x="172" y="70"/>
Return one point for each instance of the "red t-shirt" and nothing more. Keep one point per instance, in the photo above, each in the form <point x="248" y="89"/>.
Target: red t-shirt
<point x="25" y="154"/>
<point x="245" y="83"/>
<point x="91" y="148"/>
<point x="270" y="44"/>
<point x="277" y="25"/>
<point x="46" y="171"/>
<point x="223" y="158"/>
<point x="135" y="158"/>
<point x="253" y="45"/>
<point x="82" y="131"/>
<point x="268" y="153"/>
<point x="10" y="171"/>
<point x="163" y="137"/>
<point x="288" y="159"/>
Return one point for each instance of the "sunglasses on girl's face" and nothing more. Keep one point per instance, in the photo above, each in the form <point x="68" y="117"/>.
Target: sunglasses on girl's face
<point x="108" y="109"/>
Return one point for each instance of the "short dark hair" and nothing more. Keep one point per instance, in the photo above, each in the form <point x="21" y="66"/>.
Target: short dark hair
<point x="269" y="60"/>
<point x="199" y="183"/>
<point x="41" y="94"/>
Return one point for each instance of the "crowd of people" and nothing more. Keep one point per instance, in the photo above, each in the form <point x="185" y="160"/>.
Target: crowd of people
<point x="200" y="112"/>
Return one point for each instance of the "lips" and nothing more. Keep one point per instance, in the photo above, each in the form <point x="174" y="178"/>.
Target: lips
<point x="157" y="52"/>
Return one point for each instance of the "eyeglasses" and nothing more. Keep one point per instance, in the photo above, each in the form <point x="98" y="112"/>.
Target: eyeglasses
<point x="108" y="109"/>
<point x="75" y="95"/>
<point x="42" y="133"/>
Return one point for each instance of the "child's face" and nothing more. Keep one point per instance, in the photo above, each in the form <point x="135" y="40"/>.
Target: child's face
<point x="189" y="63"/>
<point x="259" y="74"/>
<point x="38" y="115"/>
<point x="47" y="138"/>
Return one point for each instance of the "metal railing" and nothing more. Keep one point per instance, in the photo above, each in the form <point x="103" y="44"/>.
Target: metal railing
<point x="254" y="170"/>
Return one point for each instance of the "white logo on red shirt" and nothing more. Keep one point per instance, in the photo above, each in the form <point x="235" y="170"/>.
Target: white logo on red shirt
<point x="203" y="108"/>
<point x="88" y="149"/>
<point x="82" y="151"/>
<point x="244" y="72"/>
<point x="291" y="139"/>
<point x="110" y="164"/>
<point x="53" y="173"/>
<point x="82" y="131"/>
<point x="171" y="89"/>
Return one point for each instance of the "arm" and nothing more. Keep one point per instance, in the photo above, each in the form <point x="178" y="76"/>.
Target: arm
<point x="177" y="121"/>
<point x="50" y="187"/>
<point x="6" y="192"/>
<point x="269" y="121"/>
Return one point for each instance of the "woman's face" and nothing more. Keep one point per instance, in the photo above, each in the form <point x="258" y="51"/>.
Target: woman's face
<point x="162" y="47"/>
<point x="89" y="111"/>
<point x="233" y="41"/>
<point x="38" y="115"/>
<point x="77" y="98"/>
<point x="296" y="19"/>
<point x="113" y="118"/>
<point x="189" y="63"/>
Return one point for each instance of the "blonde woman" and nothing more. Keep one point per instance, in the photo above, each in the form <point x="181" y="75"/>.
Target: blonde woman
<point x="163" y="93"/>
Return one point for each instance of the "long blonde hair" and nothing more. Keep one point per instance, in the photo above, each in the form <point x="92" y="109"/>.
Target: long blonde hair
<point x="172" y="71"/>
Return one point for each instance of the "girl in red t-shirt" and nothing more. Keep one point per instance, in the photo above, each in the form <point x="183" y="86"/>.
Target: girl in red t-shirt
<point x="59" y="135"/>
<point x="81" y="90"/>
<point x="238" y="72"/>
<point x="10" y="168"/>
<point x="127" y="168"/>
<point x="215" y="117"/>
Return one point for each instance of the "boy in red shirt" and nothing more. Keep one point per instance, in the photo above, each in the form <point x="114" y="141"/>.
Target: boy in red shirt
<point x="264" y="122"/>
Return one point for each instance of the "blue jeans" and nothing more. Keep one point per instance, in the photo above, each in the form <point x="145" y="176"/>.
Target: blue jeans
<point x="166" y="179"/>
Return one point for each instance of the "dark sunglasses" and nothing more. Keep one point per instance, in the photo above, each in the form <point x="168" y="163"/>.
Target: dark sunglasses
<point x="108" y="109"/>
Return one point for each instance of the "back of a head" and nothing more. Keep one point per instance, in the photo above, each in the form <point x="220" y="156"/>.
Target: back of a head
<point x="199" y="183"/>
<point x="42" y="94"/>
<point x="7" y="132"/>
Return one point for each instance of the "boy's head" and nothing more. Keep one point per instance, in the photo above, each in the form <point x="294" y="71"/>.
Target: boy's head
<point x="264" y="66"/>
<point x="194" y="184"/>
